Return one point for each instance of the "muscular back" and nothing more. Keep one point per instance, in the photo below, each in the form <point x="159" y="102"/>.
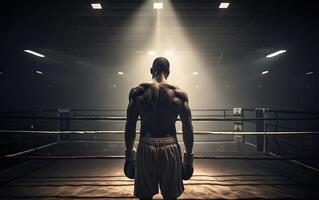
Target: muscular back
<point x="158" y="105"/>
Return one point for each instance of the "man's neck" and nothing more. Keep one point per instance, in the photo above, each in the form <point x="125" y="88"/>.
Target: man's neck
<point x="159" y="78"/>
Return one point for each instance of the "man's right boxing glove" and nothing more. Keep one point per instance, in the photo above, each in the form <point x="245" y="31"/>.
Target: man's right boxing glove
<point x="129" y="166"/>
<point x="187" y="166"/>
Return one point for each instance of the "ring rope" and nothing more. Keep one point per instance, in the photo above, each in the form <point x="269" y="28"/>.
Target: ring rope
<point x="195" y="109"/>
<point x="120" y="118"/>
<point x="178" y="132"/>
<point x="195" y="157"/>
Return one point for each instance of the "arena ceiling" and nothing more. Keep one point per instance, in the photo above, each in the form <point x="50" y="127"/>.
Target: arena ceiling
<point x="232" y="44"/>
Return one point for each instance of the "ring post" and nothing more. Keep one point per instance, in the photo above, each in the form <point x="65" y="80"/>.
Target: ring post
<point x="64" y="124"/>
<point x="238" y="125"/>
<point x="261" y="127"/>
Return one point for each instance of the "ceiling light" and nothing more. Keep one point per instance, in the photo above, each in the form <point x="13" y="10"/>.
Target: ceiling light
<point x="96" y="6"/>
<point x="120" y="73"/>
<point x="39" y="72"/>
<point x="195" y="73"/>
<point x="264" y="72"/>
<point x="151" y="53"/>
<point x="1" y="73"/>
<point x="309" y="73"/>
<point x="276" y="53"/>
<point x="224" y="5"/>
<point x="33" y="53"/>
<point x="169" y="53"/>
<point x="158" y="5"/>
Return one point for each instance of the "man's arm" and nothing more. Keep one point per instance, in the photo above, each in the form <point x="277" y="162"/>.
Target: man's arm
<point x="131" y="120"/>
<point x="130" y="133"/>
<point x="187" y="127"/>
<point x="188" y="137"/>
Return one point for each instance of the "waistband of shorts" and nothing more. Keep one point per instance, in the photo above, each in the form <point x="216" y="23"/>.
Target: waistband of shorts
<point x="158" y="142"/>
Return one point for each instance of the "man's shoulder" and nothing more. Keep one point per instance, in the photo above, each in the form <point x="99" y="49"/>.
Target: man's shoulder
<point x="179" y="93"/>
<point x="139" y="90"/>
<point x="136" y="91"/>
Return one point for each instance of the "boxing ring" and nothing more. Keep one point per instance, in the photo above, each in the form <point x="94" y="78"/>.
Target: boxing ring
<point x="50" y="155"/>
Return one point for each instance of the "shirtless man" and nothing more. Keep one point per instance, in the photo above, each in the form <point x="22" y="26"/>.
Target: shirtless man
<point x="158" y="158"/>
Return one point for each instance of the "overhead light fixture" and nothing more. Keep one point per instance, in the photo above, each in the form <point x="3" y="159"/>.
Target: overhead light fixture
<point x="169" y="53"/>
<point x="39" y="72"/>
<point x="96" y="6"/>
<point x="276" y="53"/>
<point x="195" y="73"/>
<point x="158" y="6"/>
<point x="151" y="53"/>
<point x="309" y="73"/>
<point x="34" y="53"/>
<point x="1" y="73"/>
<point x="224" y="5"/>
<point x="265" y="72"/>
<point x="120" y="73"/>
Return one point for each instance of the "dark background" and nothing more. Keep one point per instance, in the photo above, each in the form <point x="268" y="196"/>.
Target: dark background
<point x="85" y="49"/>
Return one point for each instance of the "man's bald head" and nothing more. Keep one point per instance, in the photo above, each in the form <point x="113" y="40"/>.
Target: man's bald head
<point x="160" y="66"/>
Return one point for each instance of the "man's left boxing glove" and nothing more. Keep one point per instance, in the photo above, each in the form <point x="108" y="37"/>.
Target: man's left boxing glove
<point x="129" y="166"/>
<point x="187" y="166"/>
